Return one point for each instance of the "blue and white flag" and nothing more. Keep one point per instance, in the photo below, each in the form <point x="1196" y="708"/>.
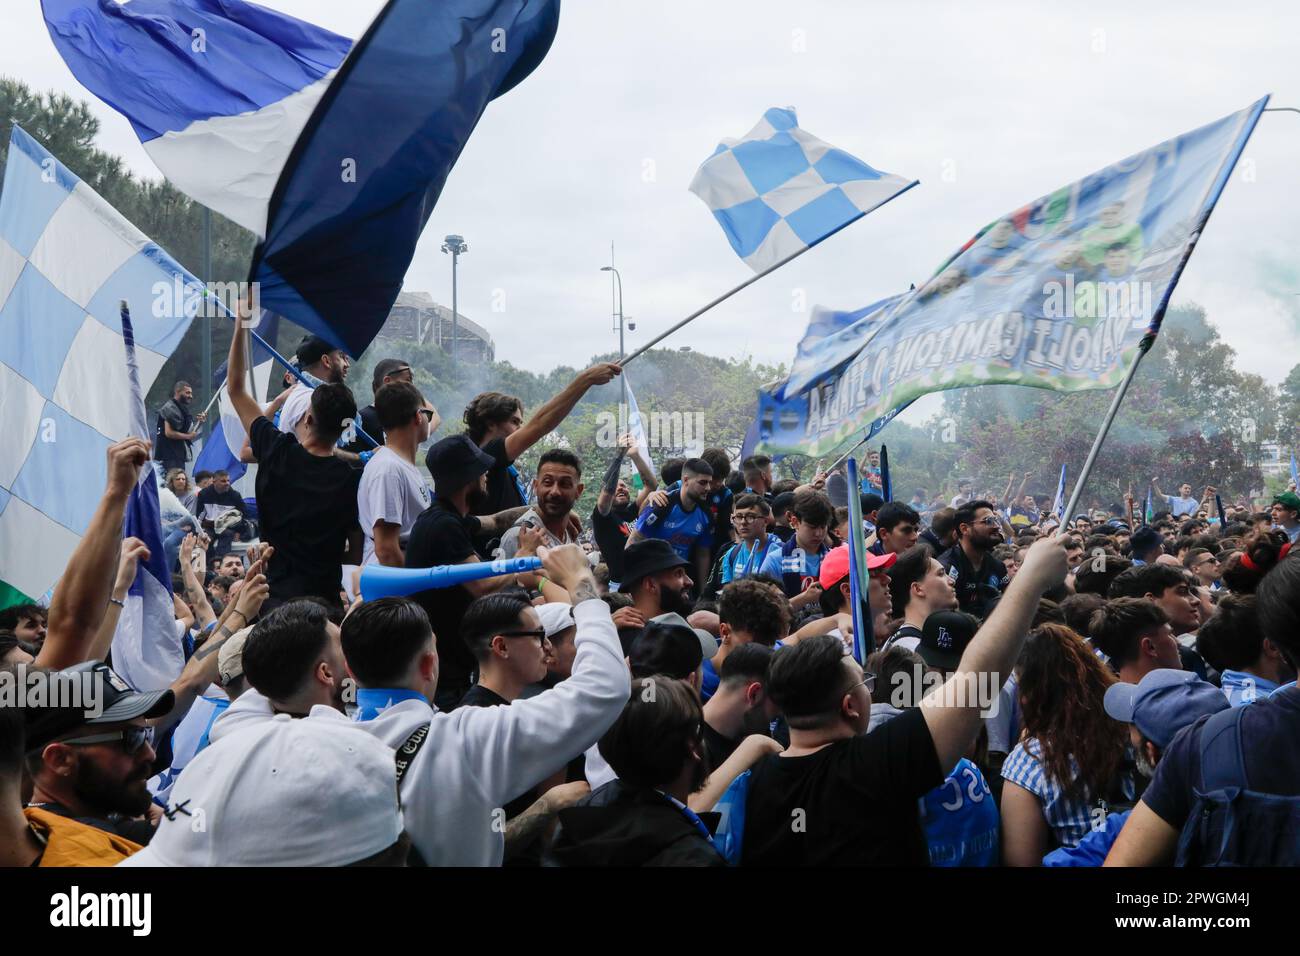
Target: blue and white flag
<point x="831" y="340"/>
<point x="636" y="426"/>
<point x="334" y="152"/>
<point x="1058" y="294"/>
<point x="67" y="259"/>
<point x="1058" y="506"/>
<point x="216" y="90"/>
<point x="1295" y="473"/>
<point x="147" y="649"/>
<point x="779" y="189"/>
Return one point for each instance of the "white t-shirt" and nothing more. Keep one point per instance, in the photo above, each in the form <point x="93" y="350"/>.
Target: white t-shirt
<point x="391" y="490"/>
<point x="295" y="407"/>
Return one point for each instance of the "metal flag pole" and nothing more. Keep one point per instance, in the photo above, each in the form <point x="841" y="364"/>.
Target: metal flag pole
<point x="858" y="562"/>
<point x="836" y="463"/>
<point x="754" y="278"/>
<point x="1143" y="347"/>
<point x="215" y="395"/>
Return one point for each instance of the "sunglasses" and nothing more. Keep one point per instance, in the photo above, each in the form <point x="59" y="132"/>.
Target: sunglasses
<point x="989" y="520"/>
<point x="133" y="739"/>
<point x="427" y="413"/>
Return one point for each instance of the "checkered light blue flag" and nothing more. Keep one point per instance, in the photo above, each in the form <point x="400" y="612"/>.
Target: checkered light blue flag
<point x="67" y="259"/>
<point x="780" y="190"/>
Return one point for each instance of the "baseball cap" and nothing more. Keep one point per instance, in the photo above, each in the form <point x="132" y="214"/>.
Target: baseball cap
<point x="944" y="637"/>
<point x="116" y="701"/>
<point x="311" y="350"/>
<point x="648" y="557"/>
<point x="455" y="461"/>
<point x="230" y="658"/>
<point x="1164" y="702"/>
<point x="317" y="791"/>
<point x="555" y="617"/>
<point x="708" y="643"/>
<point x="1288" y="499"/>
<point x="667" y="647"/>
<point x="835" y="565"/>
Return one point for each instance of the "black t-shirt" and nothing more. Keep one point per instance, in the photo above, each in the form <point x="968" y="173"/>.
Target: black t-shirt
<point x="370" y="425"/>
<point x="502" y="486"/>
<point x="1269" y="730"/>
<point x="172" y="449"/>
<point x="443" y="536"/>
<point x="611" y="533"/>
<point x="480" y="696"/>
<point x="306" y="505"/>
<point x="718" y="747"/>
<point x="978" y="590"/>
<point x="853" y="802"/>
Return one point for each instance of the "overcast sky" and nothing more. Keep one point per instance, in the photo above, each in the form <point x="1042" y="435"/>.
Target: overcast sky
<point x="990" y="105"/>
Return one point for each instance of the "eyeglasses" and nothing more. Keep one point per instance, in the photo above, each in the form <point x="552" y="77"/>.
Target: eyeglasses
<point x="539" y="633"/>
<point x="989" y="520"/>
<point x="1201" y="564"/>
<point x="132" y="738"/>
<point x="868" y="678"/>
<point x="741" y="517"/>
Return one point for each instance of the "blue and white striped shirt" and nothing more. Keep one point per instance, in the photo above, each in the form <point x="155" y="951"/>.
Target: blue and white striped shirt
<point x="1070" y="819"/>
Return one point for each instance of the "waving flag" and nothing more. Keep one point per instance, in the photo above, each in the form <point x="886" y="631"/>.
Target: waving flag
<point x="334" y="152"/>
<point x="831" y="341"/>
<point x="1057" y="294"/>
<point x="1295" y="472"/>
<point x="67" y="259"/>
<point x="216" y="90"/>
<point x="1058" y="505"/>
<point x="147" y="651"/>
<point x="635" y="424"/>
<point x="779" y="189"/>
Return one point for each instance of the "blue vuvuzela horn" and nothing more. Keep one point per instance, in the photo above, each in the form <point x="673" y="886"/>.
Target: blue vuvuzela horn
<point x="378" y="581"/>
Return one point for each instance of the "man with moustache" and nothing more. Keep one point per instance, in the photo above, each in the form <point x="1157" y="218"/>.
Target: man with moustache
<point x="978" y="577"/>
<point x="97" y="772"/>
<point x="557" y="486"/>
<point x="655" y="577"/>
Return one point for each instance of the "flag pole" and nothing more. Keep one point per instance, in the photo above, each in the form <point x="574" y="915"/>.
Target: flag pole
<point x="857" y="562"/>
<point x="1143" y="347"/>
<point x="754" y="278"/>
<point x="215" y="395"/>
<point x="836" y="463"/>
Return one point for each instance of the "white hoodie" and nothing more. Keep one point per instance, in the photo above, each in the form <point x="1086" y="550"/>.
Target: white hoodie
<point x="477" y="759"/>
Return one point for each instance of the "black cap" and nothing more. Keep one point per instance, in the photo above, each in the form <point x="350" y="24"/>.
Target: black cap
<point x="455" y="461"/>
<point x="648" y="557"/>
<point x="669" y="649"/>
<point x="944" y="637"/>
<point x="311" y="350"/>
<point x="98" y="687"/>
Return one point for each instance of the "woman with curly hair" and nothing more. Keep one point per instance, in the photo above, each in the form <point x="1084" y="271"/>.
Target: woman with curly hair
<point x="1070" y="761"/>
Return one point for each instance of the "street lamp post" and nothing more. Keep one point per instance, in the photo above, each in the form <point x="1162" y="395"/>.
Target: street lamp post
<point x="457" y="247"/>
<point x="619" y="281"/>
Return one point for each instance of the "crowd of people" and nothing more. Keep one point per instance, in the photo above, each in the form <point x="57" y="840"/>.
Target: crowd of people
<point x="676" y="684"/>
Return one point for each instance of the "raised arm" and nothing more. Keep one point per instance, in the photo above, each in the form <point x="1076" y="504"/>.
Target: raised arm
<point x="952" y="710"/>
<point x="548" y="417"/>
<point x="246" y="406"/>
<point x="609" y="484"/>
<point x="133" y="551"/>
<point x="82" y="595"/>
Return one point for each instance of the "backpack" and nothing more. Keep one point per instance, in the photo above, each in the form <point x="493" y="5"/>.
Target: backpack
<point x="1230" y="824"/>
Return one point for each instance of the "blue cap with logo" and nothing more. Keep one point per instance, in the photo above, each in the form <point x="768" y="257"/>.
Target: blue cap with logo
<point x="1164" y="702"/>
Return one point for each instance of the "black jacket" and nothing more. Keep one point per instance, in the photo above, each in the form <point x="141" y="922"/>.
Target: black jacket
<point x="617" y="825"/>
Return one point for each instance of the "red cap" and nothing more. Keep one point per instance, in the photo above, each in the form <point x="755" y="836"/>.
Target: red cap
<point x="835" y="565"/>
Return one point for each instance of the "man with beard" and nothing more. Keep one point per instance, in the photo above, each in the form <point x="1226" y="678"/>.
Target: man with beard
<point x="683" y="520"/>
<point x="740" y="705"/>
<point x="655" y="578"/>
<point x="616" y="512"/>
<point x="176" y="429"/>
<point x="320" y="363"/>
<point x="96" y="772"/>
<point x="557" y="486"/>
<point x="978" y="577"/>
